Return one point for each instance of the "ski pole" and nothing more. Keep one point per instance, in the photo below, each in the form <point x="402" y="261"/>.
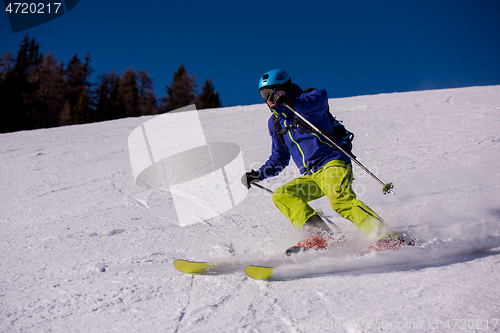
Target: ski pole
<point x="320" y="212"/>
<point x="386" y="187"/>
<point x="262" y="187"/>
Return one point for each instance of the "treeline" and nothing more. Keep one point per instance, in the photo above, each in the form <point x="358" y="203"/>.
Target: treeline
<point x="39" y="91"/>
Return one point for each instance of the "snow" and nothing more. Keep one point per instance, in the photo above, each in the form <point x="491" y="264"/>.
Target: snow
<point x="84" y="249"/>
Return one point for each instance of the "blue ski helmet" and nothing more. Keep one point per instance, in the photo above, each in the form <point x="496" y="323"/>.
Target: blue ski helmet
<point x="272" y="81"/>
<point x="273" y="77"/>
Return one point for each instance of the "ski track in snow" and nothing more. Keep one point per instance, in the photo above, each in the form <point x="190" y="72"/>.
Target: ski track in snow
<point x="86" y="250"/>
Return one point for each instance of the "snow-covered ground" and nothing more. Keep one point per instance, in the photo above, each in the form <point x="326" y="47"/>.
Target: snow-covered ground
<point x="84" y="249"/>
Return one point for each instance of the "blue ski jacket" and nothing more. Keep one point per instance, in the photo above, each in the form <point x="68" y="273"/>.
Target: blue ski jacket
<point x="309" y="151"/>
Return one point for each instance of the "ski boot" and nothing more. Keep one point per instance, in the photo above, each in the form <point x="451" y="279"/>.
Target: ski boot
<point x="320" y="237"/>
<point x="394" y="242"/>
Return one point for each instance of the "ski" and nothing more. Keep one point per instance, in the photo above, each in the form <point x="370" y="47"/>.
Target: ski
<point x="191" y="267"/>
<point x="255" y="272"/>
<point x="202" y="267"/>
<point x="259" y="272"/>
<point x="279" y="268"/>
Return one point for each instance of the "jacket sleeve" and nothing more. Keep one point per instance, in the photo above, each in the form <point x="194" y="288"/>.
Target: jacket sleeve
<point x="312" y="103"/>
<point x="279" y="159"/>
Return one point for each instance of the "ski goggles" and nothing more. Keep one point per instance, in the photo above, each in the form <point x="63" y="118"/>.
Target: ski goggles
<point x="266" y="92"/>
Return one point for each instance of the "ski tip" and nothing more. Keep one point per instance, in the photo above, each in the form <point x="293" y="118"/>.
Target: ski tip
<point x="190" y="267"/>
<point x="259" y="272"/>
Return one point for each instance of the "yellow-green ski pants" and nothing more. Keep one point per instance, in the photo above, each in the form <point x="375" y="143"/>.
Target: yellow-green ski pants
<point x="335" y="181"/>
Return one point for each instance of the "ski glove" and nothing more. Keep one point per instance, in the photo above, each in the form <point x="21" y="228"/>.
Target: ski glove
<point x="281" y="97"/>
<point x="249" y="178"/>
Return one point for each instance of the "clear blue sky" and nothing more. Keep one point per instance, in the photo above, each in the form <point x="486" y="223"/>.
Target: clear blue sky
<point x="350" y="48"/>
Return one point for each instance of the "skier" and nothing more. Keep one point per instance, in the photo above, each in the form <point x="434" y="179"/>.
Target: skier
<point x="325" y="169"/>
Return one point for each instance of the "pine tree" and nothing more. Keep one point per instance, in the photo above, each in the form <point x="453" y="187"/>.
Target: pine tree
<point x="208" y="98"/>
<point x="46" y="99"/>
<point x="6" y="98"/>
<point x="109" y="103"/>
<point x="78" y="88"/>
<point x="115" y="102"/>
<point x="37" y="91"/>
<point x="14" y="86"/>
<point x="128" y="94"/>
<point x="181" y="91"/>
<point x="81" y="110"/>
<point x="27" y="57"/>
<point x="147" y="96"/>
<point x="6" y="65"/>
<point x="102" y="94"/>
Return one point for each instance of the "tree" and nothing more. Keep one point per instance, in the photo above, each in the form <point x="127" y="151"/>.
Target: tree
<point x="181" y="91"/>
<point x="6" y="65"/>
<point x="128" y="94"/>
<point x="147" y="96"/>
<point x="208" y="98"/>
<point x="77" y="91"/>
<point x="82" y="108"/>
<point x="6" y="75"/>
<point x="46" y="99"/>
<point x="37" y="91"/>
<point x="27" y="57"/>
<point x="102" y="94"/>
<point x="14" y="86"/>
<point x="109" y="104"/>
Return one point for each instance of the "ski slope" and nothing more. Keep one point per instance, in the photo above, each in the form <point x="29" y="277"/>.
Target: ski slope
<point x="86" y="250"/>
